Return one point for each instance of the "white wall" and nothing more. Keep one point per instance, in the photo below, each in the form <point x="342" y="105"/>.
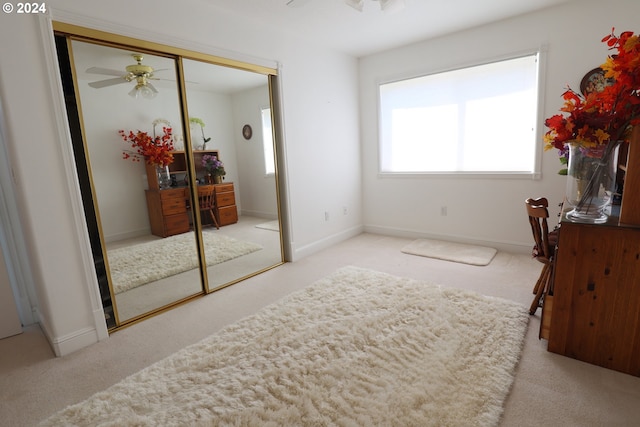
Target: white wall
<point x="321" y="124"/>
<point x="483" y="210"/>
<point x="258" y="196"/>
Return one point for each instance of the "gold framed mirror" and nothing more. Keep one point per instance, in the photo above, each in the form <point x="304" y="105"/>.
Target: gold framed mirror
<point x="175" y="206"/>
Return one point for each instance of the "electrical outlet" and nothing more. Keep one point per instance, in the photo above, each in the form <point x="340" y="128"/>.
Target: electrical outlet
<point x="443" y="210"/>
<point x="326" y="216"/>
<point x="344" y="210"/>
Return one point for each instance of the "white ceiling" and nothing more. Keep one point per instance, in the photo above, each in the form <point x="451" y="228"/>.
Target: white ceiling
<point x="335" y="24"/>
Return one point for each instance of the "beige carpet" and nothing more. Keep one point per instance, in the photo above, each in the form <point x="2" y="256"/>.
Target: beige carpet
<point x="356" y="348"/>
<point x="449" y="251"/>
<point x="136" y="265"/>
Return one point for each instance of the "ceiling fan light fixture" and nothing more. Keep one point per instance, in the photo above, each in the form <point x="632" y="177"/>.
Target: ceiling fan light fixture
<point x="142" y="91"/>
<point x="356" y="4"/>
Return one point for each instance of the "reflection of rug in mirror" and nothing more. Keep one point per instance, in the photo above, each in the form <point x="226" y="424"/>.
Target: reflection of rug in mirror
<point x="135" y="265"/>
<point x="356" y="348"/>
<point x="271" y="225"/>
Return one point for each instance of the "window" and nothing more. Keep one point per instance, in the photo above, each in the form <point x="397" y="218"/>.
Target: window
<point x="267" y="142"/>
<point x="479" y="119"/>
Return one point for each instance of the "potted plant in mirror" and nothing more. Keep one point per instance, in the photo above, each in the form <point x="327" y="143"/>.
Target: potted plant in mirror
<point x="591" y="127"/>
<point x="214" y="167"/>
<point x="199" y="122"/>
<point x="156" y="151"/>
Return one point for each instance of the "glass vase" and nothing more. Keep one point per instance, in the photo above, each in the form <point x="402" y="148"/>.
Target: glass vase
<point x="591" y="180"/>
<point x="164" y="178"/>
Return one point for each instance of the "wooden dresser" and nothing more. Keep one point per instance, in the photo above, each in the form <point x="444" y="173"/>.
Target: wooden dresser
<point x="168" y="211"/>
<point x="595" y="315"/>
<point x="226" y="211"/>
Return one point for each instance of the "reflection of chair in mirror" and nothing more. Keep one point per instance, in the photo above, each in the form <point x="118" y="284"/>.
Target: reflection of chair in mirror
<point x="206" y="200"/>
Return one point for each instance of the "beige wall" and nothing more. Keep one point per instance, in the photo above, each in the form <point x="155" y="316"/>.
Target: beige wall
<point x="9" y="320"/>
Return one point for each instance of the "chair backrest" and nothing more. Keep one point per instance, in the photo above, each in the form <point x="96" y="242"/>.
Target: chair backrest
<point x="538" y="214"/>
<point x="205" y="196"/>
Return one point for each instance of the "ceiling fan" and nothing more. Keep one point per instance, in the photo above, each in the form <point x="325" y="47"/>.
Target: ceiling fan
<point x="138" y="73"/>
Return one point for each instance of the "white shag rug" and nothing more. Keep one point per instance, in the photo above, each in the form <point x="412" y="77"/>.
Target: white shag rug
<point x="136" y="265"/>
<point x="450" y="251"/>
<point x="358" y="348"/>
<point x="270" y="225"/>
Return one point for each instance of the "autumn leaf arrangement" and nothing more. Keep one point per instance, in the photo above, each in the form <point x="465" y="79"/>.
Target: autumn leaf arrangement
<point x="601" y="119"/>
<point x="156" y="150"/>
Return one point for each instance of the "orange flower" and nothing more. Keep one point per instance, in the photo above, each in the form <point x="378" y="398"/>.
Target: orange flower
<point x="155" y="151"/>
<point x="605" y="117"/>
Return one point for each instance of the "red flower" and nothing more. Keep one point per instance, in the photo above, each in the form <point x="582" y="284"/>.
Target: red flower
<point x="607" y="116"/>
<point x="155" y="151"/>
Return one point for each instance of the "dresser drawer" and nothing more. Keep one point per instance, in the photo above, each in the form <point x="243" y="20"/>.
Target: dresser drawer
<point x="176" y="224"/>
<point x="174" y="206"/>
<point x="172" y="193"/>
<point x="225" y="199"/>
<point x="227" y="215"/>
<point x="222" y="188"/>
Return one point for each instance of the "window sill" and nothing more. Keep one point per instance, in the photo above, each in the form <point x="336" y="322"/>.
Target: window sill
<point x="463" y="175"/>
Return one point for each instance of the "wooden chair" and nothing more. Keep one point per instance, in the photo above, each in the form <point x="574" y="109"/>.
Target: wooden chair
<point x="206" y="200"/>
<point x="544" y="247"/>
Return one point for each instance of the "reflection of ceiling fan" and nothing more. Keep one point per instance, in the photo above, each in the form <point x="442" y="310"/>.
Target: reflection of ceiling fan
<point x="385" y="5"/>
<point x="138" y="72"/>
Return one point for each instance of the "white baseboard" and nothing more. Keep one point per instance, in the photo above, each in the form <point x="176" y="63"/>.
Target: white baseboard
<point x="127" y="235"/>
<point x="299" y="253"/>
<point x="67" y="344"/>
<point x="258" y="214"/>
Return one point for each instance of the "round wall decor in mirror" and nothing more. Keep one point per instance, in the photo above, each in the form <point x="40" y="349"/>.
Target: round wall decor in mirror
<point x="247" y="132"/>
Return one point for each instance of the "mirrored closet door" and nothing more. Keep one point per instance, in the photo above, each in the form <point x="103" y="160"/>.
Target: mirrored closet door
<point x="175" y="155"/>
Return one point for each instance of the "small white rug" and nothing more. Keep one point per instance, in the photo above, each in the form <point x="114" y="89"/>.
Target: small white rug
<point x="449" y="251"/>
<point x="136" y="265"/>
<point x="271" y="225"/>
<point x="358" y="348"/>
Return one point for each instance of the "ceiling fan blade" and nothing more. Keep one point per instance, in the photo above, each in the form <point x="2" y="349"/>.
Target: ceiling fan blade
<point x="109" y="82"/>
<point x="107" y="71"/>
<point x="297" y="3"/>
<point x="152" y="87"/>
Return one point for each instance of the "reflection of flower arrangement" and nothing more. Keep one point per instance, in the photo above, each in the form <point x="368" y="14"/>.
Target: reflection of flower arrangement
<point x="213" y="165"/>
<point x="155" y="150"/>
<point x="195" y="120"/>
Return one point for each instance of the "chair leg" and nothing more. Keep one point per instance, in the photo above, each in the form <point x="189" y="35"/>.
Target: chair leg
<point x="542" y="287"/>
<point x="213" y="217"/>
<point x="543" y="272"/>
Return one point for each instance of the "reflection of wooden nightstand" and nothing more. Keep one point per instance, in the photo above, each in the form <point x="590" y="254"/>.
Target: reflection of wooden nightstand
<point x="168" y="211"/>
<point x="226" y="211"/>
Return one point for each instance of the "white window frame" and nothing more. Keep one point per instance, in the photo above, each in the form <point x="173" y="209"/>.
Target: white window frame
<point x="535" y="173"/>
